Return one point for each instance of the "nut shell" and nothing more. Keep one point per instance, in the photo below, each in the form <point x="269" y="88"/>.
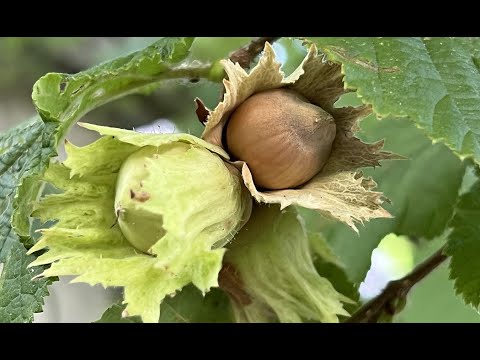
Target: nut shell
<point x="284" y="139"/>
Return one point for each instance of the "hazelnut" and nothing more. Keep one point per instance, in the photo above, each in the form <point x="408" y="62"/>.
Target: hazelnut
<point x="181" y="191"/>
<point x="284" y="139"/>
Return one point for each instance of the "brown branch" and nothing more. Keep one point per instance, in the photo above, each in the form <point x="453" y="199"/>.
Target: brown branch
<point x="386" y="302"/>
<point x="246" y="54"/>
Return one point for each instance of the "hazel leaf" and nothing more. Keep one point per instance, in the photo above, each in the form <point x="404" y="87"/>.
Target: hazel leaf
<point x="433" y="81"/>
<point x="188" y="306"/>
<point x="24" y="153"/>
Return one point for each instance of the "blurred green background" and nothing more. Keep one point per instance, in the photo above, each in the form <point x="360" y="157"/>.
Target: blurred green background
<point x="172" y="108"/>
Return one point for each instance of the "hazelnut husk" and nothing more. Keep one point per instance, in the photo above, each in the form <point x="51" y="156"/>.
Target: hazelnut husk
<point x="284" y="139"/>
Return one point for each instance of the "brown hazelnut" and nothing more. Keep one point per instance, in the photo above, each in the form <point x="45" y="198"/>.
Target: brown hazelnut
<point x="284" y="139"/>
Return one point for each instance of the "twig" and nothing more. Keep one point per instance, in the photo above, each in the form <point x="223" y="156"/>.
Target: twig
<point x="385" y="303"/>
<point x="246" y="54"/>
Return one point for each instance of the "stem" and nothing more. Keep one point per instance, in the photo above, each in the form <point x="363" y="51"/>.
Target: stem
<point x="396" y="290"/>
<point x="246" y="54"/>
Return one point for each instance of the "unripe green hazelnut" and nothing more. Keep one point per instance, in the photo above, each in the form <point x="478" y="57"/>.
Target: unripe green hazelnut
<point x="178" y="191"/>
<point x="284" y="139"/>
<point x="140" y="222"/>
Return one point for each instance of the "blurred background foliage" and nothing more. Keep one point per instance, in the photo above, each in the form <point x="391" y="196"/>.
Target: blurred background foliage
<point x="171" y="108"/>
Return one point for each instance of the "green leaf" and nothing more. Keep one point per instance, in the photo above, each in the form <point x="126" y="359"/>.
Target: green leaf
<point x="65" y="98"/>
<point x="114" y="315"/>
<point x="20" y="297"/>
<point x="187" y="306"/>
<point x="24" y="153"/>
<point x="190" y="306"/>
<point x="423" y="191"/>
<point x="433" y="300"/>
<point x="433" y="81"/>
<point x="464" y="246"/>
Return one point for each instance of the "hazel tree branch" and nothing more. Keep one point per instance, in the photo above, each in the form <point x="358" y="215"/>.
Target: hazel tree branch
<point x="245" y="55"/>
<point x="387" y="303"/>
